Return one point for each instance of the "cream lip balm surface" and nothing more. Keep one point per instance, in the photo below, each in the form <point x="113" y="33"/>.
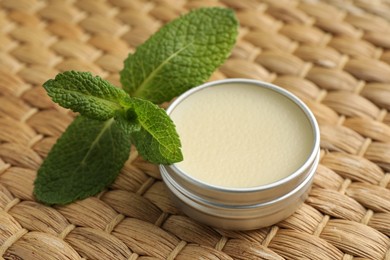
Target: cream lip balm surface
<point x="239" y="135"/>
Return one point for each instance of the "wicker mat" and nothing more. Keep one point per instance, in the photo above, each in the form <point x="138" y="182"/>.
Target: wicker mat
<point x="335" y="55"/>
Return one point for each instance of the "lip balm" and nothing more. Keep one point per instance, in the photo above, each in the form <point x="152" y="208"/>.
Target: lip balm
<point x="250" y="152"/>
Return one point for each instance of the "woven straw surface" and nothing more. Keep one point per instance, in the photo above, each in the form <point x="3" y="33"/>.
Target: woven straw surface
<point x="335" y="55"/>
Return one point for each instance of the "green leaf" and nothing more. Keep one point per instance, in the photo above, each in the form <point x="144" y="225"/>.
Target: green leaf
<point x="157" y="140"/>
<point x="182" y="55"/>
<point x="84" y="93"/>
<point x="85" y="159"/>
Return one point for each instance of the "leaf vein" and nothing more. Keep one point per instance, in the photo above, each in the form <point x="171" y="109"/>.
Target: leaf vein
<point x="159" y="67"/>
<point x="106" y="126"/>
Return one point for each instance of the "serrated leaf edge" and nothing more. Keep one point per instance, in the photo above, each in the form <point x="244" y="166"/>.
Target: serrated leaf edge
<point x="102" y="100"/>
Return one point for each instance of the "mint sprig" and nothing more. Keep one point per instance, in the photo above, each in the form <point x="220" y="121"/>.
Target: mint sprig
<point x="93" y="149"/>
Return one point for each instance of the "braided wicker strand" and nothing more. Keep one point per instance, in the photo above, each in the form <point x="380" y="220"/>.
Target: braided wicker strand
<point x="334" y="55"/>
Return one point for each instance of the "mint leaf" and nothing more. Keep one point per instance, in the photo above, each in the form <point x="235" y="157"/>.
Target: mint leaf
<point x="157" y="140"/>
<point x="84" y="93"/>
<point x="90" y="154"/>
<point x="85" y="159"/>
<point x="183" y="54"/>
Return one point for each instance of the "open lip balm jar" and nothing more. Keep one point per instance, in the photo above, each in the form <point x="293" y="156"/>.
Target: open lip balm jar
<point x="250" y="153"/>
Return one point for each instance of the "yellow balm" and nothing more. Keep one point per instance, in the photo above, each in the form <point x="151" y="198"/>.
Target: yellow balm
<point x="238" y="135"/>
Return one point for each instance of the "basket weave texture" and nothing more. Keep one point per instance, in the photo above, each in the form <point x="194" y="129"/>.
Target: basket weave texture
<point x="334" y="55"/>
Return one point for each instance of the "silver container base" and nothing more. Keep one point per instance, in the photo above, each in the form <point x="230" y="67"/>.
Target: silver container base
<point x="247" y="217"/>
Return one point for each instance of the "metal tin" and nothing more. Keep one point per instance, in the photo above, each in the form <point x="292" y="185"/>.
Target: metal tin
<point x="243" y="208"/>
